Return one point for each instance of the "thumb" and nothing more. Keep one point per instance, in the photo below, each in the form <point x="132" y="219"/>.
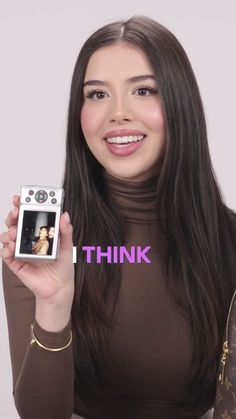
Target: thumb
<point x="66" y="230"/>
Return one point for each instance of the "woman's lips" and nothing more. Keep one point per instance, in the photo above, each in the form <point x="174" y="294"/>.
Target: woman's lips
<point x="124" y="149"/>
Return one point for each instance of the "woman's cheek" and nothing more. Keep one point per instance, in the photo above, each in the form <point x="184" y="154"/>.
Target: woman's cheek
<point x="85" y="117"/>
<point x="91" y="120"/>
<point x="153" y="116"/>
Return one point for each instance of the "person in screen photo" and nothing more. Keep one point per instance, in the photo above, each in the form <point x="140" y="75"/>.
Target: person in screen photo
<point x="42" y="244"/>
<point x="51" y="233"/>
<point x="127" y="341"/>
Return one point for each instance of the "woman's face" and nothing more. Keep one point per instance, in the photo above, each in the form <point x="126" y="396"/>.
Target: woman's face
<point x="119" y="104"/>
<point x="51" y="232"/>
<point x="43" y="233"/>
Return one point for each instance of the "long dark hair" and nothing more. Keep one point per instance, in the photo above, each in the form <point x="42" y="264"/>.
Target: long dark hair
<point x="201" y="261"/>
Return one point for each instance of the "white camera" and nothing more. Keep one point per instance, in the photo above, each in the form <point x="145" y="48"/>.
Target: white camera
<point x="38" y="222"/>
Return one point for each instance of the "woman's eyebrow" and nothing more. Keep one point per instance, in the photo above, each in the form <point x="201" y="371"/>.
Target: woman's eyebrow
<point x="134" y="79"/>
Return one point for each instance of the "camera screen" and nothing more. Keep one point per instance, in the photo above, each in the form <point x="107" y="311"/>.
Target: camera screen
<point x="38" y="229"/>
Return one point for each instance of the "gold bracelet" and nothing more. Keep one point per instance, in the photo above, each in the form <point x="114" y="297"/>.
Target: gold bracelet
<point x="35" y="340"/>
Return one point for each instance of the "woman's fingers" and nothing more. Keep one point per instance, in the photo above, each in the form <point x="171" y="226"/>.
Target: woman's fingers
<point x="4" y="238"/>
<point x="7" y="236"/>
<point x="16" y="201"/>
<point x="11" y="219"/>
<point x="7" y="239"/>
<point x="12" y="233"/>
<point x="7" y="252"/>
<point x="66" y="235"/>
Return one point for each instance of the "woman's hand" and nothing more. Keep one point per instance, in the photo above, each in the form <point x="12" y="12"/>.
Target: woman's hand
<point x="51" y="282"/>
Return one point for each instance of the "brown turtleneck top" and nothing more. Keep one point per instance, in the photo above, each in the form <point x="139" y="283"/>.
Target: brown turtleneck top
<point x="151" y="342"/>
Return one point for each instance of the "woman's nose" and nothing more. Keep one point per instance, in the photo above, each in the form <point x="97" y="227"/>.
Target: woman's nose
<point x="120" y="110"/>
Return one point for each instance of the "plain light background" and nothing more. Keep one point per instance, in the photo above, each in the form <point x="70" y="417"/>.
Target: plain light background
<point x="39" y="44"/>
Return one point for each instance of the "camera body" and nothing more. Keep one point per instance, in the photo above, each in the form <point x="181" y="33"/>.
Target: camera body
<point x="38" y="222"/>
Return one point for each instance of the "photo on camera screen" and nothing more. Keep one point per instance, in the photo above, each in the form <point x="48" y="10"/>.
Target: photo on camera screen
<point x="38" y="229"/>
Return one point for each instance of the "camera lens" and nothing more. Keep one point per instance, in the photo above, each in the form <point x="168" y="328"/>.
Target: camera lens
<point x="41" y="196"/>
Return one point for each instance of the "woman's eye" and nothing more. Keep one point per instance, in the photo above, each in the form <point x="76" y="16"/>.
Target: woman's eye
<point x="95" y="94"/>
<point x="145" y="91"/>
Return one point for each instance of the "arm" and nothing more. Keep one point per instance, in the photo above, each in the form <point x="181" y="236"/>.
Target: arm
<point x="43" y="381"/>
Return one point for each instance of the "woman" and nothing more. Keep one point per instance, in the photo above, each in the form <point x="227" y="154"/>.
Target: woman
<point x="42" y="244"/>
<point x="146" y="336"/>
<point x="51" y="232"/>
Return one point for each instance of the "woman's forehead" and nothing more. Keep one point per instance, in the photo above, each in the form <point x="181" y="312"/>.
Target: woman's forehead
<point x="111" y="60"/>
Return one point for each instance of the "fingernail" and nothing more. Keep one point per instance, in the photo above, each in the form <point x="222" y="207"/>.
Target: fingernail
<point x="67" y="217"/>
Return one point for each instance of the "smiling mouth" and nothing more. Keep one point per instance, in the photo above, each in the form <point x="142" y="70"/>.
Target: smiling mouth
<point x="128" y="139"/>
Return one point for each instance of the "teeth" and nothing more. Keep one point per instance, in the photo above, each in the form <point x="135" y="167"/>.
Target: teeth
<point x="127" y="139"/>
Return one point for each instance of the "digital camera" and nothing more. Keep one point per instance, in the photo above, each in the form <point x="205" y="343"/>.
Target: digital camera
<point x="38" y="222"/>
